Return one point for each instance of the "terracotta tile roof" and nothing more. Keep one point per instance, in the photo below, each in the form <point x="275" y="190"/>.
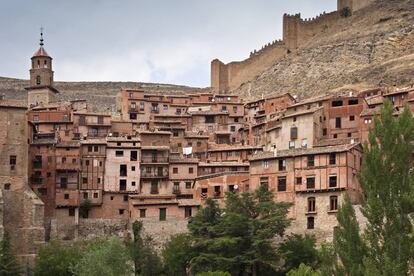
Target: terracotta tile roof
<point x="371" y="111"/>
<point x="216" y="148"/>
<point x="224" y="164"/>
<point x="68" y="144"/>
<point x="41" y="53"/>
<point x="221" y="174"/>
<point x="188" y="202"/>
<point x="303" y="112"/>
<point x="374" y="100"/>
<point x="92" y="141"/>
<point x="300" y="152"/>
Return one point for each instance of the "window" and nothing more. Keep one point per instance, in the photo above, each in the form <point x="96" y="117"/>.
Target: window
<point x="298" y="180"/>
<point x="63" y="182"/>
<point x="338" y="122"/>
<point x="175" y="133"/>
<point x="349" y="134"/>
<point x="311" y="223"/>
<point x="175" y="170"/>
<point x="90" y="148"/>
<point x="310" y="182"/>
<point x="324" y="132"/>
<point x="142" y="213"/>
<point x="165" y="107"/>
<point x="133" y="116"/>
<point x="332" y="181"/>
<point x="311" y="161"/>
<point x="190" y="170"/>
<point x="333" y="203"/>
<point x="281" y="184"/>
<point x="293" y="133"/>
<point x="84" y="180"/>
<point x="37" y="80"/>
<point x="87" y="163"/>
<point x="133" y="168"/>
<point x="291" y="144"/>
<point x="224" y="108"/>
<point x="119" y="153"/>
<point x="63" y="160"/>
<point x="234" y="108"/>
<point x="122" y="170"/>
<point x="98" y="180"/>
<point x="188" y="185"/>
<point x="12" y="162"/>
<point x="163" y="214"/>
<point x="125" y="197"/>
<point x="353" y="102"/>
<point x="188" y="211"/>
<point x="236" y="120"/>
<point x="232" y="128"/>
<point x="122" y="184"/>
<point x="66" y="196"/>
<point x="332" y="158"/>
<point x="352" y="118"/>
<point x="142" y="106"/>
<point x="95" y="195"/>
<point x="133" y="183"/>
<point x="121" y="211"/>
<point x="264" y="181"/>
<point x="335" y="136"/>
<point x="71" y="211"/>
<point x="265" y="164"/>
<point x="282" y="165"/>
<point x="311" y="205"/>
<point x="336" y="103"/>
<point x="367" y="121"/>
<point x="85" y="195"/>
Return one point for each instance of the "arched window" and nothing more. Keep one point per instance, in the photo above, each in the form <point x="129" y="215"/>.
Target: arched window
<point x="37" y="80"/>
<point x="311" y="204"/>
<point x="45" y="64"/>
<point x="38" y="63"/>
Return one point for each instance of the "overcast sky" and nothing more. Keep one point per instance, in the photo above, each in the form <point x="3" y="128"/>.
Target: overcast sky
<point x="166" y="41"/>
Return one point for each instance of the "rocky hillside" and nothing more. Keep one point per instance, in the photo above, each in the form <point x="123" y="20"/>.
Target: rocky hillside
<point x="100" y="95"/>
<point x="374" y="47"/>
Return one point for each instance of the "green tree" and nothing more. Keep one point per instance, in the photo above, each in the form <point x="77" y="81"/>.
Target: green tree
<point x="328" y="261"/>
<point x="177" y="255"/>
<point x="299" y="249"/>
<point x="8" y="262"/>
<point x="302" y="270"/>
<point x="145" y="259"/>
<point x="387" y="181"/>
<point x="348" y="243"/>
<point x="58" y="258"/>
<point x="105" y="257"/>
<point x="239" y="238"/>
<point x="213" y="273"/>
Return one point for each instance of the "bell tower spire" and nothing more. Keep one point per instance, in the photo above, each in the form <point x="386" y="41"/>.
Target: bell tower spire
<point x="41" y="37"/>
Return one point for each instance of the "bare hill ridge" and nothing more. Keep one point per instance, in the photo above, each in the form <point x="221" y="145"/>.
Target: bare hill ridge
<point x="100" y="95"/>
<point x="374" y="47"/>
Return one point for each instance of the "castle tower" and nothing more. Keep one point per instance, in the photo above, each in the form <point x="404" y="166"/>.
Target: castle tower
<point x="41" y="90"/>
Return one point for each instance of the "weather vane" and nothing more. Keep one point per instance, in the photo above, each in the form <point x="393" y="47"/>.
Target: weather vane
<point x="41" y="36"/>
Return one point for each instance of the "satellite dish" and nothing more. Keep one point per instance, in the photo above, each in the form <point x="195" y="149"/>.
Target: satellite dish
<point x="236" y="187"/>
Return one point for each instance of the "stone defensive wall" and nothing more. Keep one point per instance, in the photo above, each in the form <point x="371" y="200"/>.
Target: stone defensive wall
<point x="296" y="33"/>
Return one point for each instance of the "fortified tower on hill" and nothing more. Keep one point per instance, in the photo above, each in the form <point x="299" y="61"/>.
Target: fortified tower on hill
<point x="296" y="33"/>
<point x="41" y="90"/>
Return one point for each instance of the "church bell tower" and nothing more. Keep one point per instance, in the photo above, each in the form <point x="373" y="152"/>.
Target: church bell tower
<point x="41" y="90"/>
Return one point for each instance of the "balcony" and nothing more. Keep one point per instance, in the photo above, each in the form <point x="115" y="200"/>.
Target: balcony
<point x="37" y="164"/>
<point x="176" y="190"/>
<point x="36" y="180"/>
<point x="163" y="174"/>
<point x="154" y="190"/>
<point x="154" y="159"/>
<point x="67" y="166"/>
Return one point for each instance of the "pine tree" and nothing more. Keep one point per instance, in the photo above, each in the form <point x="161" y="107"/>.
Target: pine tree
<point x="387" y="181"/>
<point x="8" y="262"/>
<point x="348" y="243"/>
<point x="239" y="238"/>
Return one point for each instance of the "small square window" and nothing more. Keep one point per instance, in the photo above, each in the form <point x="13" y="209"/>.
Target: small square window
<point x="121" y="211"/>
<point x="190" y="170"/>
<point x="66" y="196"/>
<point x="298" y="180"/>
<point x="175" y="170"/>
<point x="142" y="213"/>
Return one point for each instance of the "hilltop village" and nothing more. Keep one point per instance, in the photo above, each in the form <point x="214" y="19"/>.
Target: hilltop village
<point x="69" y="172"/>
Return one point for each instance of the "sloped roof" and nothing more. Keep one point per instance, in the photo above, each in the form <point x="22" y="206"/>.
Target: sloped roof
<point x="41" y="53"/>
